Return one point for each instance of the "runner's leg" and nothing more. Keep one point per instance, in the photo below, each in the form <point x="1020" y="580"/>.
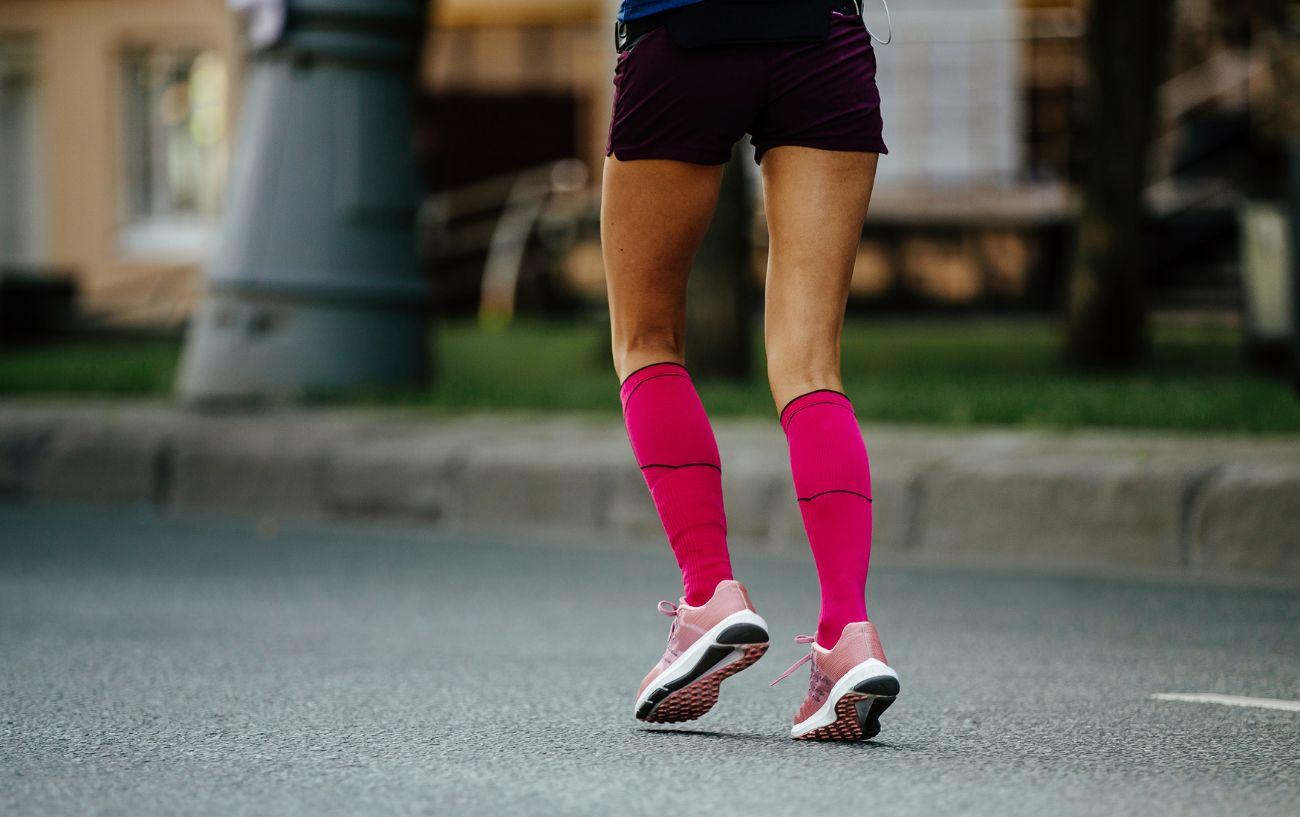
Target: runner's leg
<point x="653" y="215"/>
<point x="816" y="201"/>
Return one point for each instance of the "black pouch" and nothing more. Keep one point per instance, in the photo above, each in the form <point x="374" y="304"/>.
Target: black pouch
<point x="750" y="22"/>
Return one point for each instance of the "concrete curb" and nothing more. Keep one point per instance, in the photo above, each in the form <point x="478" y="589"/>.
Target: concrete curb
<point x="1214" y="507"/>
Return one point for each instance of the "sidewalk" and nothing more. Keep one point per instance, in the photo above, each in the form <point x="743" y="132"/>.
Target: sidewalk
<point x="1130" y="501"/>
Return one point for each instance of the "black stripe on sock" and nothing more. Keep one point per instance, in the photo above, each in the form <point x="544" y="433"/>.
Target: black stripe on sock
<point x="633" y="373"/>
<point x="781" y="416"/>
<point x="628" y="400"/>
<point x="833" y="491"/>
<point x="684" y="465"/>
<point x="786" y="421"/>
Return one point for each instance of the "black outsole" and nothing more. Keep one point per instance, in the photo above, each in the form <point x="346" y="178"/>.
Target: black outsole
<point x="710" y="659"/>
<point x="739" y="634"/>
<point x="880" y="685"/>
<point x="883" y="689"/>
<point x="869" y="712"/>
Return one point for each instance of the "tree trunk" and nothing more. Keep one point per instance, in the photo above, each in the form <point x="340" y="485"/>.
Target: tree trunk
<point x="1106" y="313"/>
<point x="719" y="314"/>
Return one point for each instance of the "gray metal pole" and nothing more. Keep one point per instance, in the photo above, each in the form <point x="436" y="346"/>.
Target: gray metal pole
<point x="315" y="283"/>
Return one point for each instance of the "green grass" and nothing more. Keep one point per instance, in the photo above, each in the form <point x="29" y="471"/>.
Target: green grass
<point x="961" y="373"/>
<point x="117" y="368"/>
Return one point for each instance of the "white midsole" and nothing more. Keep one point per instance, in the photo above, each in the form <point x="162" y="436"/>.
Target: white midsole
<point x="686" y="661"/>
<point x="825" y="715"/>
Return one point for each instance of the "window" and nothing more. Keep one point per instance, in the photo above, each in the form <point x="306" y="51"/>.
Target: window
<point x="174" y="120"/>
<point x="21" y="202"/>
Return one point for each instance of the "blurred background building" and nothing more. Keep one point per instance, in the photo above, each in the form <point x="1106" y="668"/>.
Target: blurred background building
<point x="116" y="117"/>
<point x="114" y="120"/>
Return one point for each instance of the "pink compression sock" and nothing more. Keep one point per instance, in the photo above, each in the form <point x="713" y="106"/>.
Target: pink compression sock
<point x="832" y="480"/>
<point x="674" y="445"/>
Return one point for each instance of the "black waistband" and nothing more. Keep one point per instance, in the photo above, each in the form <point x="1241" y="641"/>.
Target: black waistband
<point x="626" y="33"/>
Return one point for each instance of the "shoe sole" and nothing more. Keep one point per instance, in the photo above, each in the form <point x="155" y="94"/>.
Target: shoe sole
<point x="858" y="711"/>
<point x="694" y="694"/>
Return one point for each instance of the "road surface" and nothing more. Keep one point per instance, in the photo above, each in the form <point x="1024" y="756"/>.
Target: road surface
<point x="163" y="666"/>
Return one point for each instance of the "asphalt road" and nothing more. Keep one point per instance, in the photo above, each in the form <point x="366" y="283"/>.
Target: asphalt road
<point x="172" y="667"/>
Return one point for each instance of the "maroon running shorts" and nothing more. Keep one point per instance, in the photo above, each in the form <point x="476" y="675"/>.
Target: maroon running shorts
<point x="693" y="105"/>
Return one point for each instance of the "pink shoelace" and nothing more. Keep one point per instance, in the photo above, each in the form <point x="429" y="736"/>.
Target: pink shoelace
<point x="669" y="609"/>
<point x="799" y="639"/>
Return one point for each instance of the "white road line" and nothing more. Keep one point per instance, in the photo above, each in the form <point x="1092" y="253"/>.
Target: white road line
<point x="1228" y="700"/>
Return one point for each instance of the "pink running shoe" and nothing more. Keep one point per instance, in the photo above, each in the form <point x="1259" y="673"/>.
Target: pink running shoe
<point x="706" y="646"/>
<point x="851" y="685"/>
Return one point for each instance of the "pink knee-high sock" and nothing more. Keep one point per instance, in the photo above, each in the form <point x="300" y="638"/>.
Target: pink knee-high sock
<point x="832" y="480"/>
<point x="674" y="445"/>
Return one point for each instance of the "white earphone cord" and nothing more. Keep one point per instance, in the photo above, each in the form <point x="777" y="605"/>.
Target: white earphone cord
<point x="889" y="23"/>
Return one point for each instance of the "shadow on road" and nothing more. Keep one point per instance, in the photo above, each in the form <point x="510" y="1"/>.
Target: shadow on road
<point x="870" y="745"/>
<point x="700" y="733"/>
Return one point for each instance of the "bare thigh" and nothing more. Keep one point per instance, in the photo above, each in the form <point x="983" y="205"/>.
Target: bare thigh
<point x="653" y="215"/>
<point x="816" y="201"/>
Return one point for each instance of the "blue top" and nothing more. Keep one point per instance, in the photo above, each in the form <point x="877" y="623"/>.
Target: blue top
<point x="635" y="9"/>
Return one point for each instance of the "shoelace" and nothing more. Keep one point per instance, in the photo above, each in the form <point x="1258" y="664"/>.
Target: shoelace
<point x="799" y="639"/>
<point x="669" y="609"/>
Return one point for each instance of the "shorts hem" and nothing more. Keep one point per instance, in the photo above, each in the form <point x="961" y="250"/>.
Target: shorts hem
<point x="626" y="155"/>
<point x="839" y="147"/>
